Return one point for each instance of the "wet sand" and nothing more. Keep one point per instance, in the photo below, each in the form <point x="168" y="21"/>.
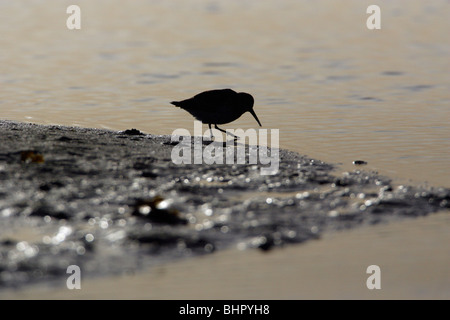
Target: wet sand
<point x="413" y="256"/>
<point x="85" y="193"/>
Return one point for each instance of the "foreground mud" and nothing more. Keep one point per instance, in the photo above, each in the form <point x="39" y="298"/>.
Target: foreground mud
<point x="113" y="202"/>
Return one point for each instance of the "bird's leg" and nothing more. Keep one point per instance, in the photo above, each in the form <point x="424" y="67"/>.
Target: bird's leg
<point x="234" y="136"/>
<point x="210" y="131"/>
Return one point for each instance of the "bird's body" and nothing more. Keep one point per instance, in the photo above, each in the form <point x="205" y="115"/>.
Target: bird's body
<point x="218" y="106"/>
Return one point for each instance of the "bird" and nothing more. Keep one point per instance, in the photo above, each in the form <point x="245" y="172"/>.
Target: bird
<point x="218" y="106"/>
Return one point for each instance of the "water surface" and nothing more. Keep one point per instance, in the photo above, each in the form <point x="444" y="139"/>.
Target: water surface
<point x="336" y="90"/>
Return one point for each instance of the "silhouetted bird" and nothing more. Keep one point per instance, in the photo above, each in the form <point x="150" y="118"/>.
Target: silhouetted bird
<point x="218" y="107"/>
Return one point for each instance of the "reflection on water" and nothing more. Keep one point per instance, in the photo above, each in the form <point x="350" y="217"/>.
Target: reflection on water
<point x="336" y="90"/>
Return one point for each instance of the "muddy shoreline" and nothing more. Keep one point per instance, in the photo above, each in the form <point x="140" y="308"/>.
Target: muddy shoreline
<point x="113" y="203"/>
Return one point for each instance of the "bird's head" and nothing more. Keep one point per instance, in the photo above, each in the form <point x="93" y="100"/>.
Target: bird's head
<point x="247" y="101"/>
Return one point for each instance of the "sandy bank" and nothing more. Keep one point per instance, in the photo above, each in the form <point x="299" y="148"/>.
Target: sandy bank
<point x="114" y="203"/>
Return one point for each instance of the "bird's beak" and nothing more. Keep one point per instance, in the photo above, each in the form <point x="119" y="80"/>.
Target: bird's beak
<point x="254" y="115"/>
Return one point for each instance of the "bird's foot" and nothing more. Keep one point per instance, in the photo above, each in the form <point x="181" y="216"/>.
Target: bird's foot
<point x="208" y="140"/>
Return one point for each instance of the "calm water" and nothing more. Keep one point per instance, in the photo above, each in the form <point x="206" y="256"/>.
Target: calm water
<point x="336" y="90"/>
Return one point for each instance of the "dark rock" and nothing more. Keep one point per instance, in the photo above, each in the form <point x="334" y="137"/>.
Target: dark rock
<point x="64" y="139"/>
<point x="157" y="210"/>
<point x="132" y="132"/>
<point x="44" y="210"/>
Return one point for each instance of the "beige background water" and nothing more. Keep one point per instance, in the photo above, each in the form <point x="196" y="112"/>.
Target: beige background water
<point x="336" y="90"/>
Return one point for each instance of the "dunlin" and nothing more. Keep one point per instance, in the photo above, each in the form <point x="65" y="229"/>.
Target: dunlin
<point x="218" y="107"/>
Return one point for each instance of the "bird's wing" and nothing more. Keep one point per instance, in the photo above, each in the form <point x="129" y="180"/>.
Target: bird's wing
<point x="215" y="94"/>
<point x="213" y="98"/>
<point x="208" y="100"/>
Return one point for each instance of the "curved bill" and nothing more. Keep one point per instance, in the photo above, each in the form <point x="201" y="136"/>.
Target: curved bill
<point x="254" y="115"/>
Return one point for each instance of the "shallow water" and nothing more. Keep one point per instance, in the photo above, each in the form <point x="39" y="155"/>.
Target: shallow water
<point x="336" y="90"/>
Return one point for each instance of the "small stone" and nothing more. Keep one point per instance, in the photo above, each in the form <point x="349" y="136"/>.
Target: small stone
<point x="132" y="132"/>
